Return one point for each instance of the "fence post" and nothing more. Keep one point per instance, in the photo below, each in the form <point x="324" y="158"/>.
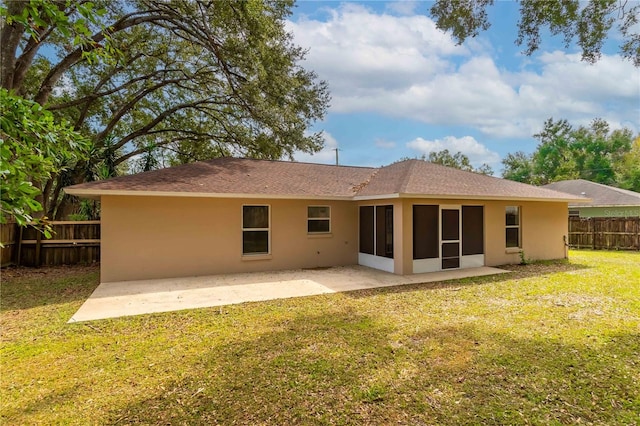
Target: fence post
<point x="38" y="248"/>
<point x="593" y="232"/>
<point x="19" y="256"/>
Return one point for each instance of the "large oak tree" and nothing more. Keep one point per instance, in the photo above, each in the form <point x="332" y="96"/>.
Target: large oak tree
<point x="199" y="78"/>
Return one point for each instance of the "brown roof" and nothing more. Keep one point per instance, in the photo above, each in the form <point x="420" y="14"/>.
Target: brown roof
<point x="239" y="176"/>
<point x="417" y="177"/>
<point x="601" y="195"/>
<point x="284" y="179"/>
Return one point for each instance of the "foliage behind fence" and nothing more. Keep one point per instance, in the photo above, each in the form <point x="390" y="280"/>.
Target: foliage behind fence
<point x="608" y="233"/>
<point x="73" y="242"/>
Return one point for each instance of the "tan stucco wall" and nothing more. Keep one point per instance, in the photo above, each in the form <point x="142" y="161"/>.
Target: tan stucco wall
<point x="162" y="237"/>
<point x="543" y="226"/>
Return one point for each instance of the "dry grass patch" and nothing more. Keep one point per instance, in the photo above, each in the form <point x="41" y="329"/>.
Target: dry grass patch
<point x="554" y="342"/>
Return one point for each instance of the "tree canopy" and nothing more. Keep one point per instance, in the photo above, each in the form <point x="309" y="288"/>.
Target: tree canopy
<point x="192" y="78"/>
<point x="587" y="23"/>
<point x="457" y="161"/>
<point x="595" y="153"/>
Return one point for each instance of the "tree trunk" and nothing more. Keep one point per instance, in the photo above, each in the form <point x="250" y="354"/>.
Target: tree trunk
<point x="10" y="36"/>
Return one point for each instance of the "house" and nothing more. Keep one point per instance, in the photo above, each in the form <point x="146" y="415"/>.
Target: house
<point x="239" y="215"/>
<point x="606" y="201"/>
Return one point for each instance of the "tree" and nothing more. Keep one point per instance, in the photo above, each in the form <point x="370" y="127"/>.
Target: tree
<point x="194" y="78"/>
<point x="518" y="167"/>
<point x="554" y="159"/>
<point x="628" y="169"/>
<point x="588" y="22"/>
<point x="594" y="153"/>
<point x="33" y="147"/>
<point x="458" y="161"/>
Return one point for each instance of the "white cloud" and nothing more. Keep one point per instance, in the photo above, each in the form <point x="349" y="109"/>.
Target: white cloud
<point x="325" y="156"/>
<point x="381" y="143"/>
<point x="358" y="51"/>
<point x="403" y="66"/>
<point x="477" y="152"/>
<point x="64" y="87"/>
<point x="402" y="7"/>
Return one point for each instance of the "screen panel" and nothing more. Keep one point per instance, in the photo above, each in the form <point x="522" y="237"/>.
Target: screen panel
<point x="384" y="231"/>
<point x="425" y="232"/>
<point x="450" y="250"/>
<point x="472" y="230"/>
<point x="450" y="225"/>
<point x="366" y="229"/>
<point x="451" y="263"/>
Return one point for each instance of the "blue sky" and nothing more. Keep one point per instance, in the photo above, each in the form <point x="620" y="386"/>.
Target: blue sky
<point x="402" y="88"/>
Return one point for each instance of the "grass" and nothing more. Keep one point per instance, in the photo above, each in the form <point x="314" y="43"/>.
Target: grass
<point x="549" y="343"/>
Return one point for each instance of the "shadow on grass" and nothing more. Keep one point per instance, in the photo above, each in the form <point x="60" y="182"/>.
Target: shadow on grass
<point x="44" y="403"/>
<point x="25" y="288"/>
<point x="358" y="369"/>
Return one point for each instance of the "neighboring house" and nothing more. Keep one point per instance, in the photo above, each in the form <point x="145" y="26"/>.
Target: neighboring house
<point x="606" y="201"/>
<point x="239" y="215"/>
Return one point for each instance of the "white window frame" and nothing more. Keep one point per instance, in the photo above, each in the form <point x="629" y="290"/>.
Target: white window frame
<point x="518" y="227"/>
<point x="318" y="218"/>
<point x="255" y="229"/>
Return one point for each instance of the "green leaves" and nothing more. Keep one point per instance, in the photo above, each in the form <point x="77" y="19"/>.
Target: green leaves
<point x="587" y="23"/>
<point x="464" y="18"/>
<point x="593" y="153"/>
<point x="33" y="146"/>
<point x="458" y="161"/>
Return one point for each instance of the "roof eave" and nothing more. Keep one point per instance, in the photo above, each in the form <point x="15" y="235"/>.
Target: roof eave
<point x="606" y="205"/>
<point x="470" y="197"/>
<point x="96" y="194"/>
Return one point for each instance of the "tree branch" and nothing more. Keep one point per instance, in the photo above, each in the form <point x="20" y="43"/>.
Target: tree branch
<point x="129" y="105"/>
<point x="143" y="130"/>
<point x="142" y="150"/>
<point x="76" y="56"/>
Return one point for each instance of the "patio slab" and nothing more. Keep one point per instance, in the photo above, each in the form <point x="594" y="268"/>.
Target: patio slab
<point x="126" y="298"/>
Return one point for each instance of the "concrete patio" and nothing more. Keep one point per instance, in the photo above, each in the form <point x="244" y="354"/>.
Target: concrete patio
<point x="126" y="298"/>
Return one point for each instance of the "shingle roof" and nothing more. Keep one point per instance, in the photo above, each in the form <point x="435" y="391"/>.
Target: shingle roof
<point x="236" y="176"/>
<point x="602" y="195"/>
<point x="415" y="177"/>
<point x="240" y="176"/>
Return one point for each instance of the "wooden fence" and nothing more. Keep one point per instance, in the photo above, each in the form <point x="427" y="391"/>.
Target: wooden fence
<point x="72" y="242"/>
<point x="608" y="233"/>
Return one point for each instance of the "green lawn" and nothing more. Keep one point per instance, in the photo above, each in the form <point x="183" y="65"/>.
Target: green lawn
<point x="549" y="343"/>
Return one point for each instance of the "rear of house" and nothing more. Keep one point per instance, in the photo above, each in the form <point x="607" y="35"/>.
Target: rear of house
<point x="239" y="215"/>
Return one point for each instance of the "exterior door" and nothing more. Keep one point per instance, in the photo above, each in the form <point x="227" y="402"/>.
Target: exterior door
<point x="450" y="237"/>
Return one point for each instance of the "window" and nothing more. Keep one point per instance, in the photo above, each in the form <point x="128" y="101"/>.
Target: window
<point x="318" y="219"/>
<point x="512" y="222"/>
<point x="255" y="230"/>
